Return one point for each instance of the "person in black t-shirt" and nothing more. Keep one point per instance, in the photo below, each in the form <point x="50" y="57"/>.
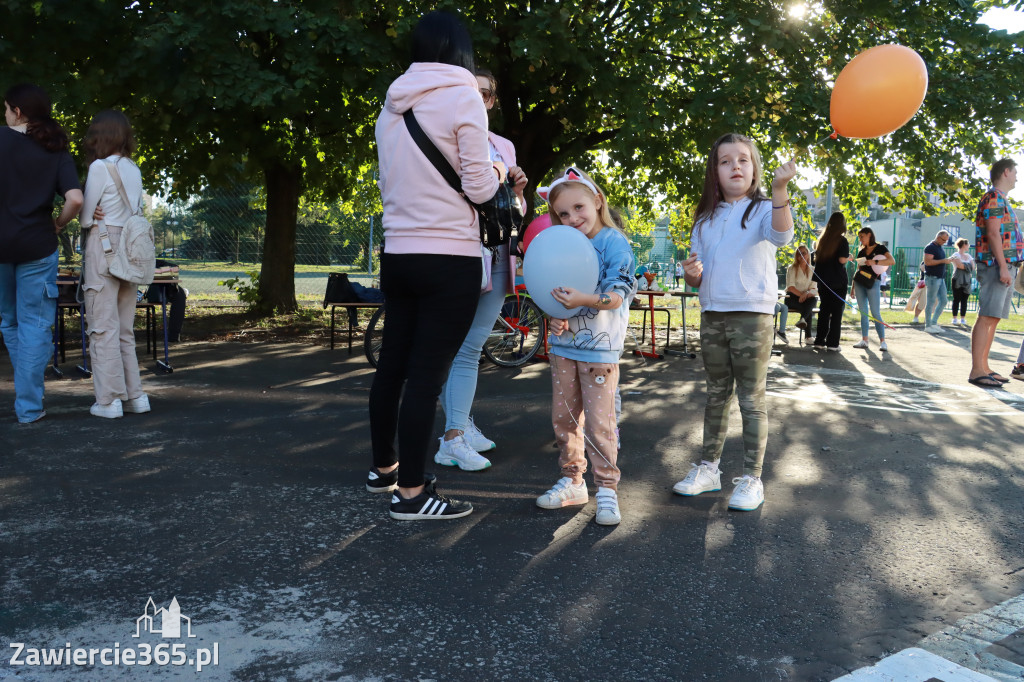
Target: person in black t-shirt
<point x="34" y="166"/>
<point x="829" y="260"/>
<point x="871" y="258"/>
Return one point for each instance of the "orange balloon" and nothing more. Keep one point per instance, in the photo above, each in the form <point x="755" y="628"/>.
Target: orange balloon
<point x="878" y="91"/>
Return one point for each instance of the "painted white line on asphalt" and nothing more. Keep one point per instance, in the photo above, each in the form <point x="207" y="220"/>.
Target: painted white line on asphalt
<point x="914" y="665"/>
<point x="879" y="392"/>
<point x="968" y="647"/>
<point x="969" y="641"/>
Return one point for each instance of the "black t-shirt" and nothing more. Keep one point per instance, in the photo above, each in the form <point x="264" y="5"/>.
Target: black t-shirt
<point x="938" y="253"/>
<point x="880" y="250"/>
<point x="30" y="178"/>
<point x="830" y="271"/>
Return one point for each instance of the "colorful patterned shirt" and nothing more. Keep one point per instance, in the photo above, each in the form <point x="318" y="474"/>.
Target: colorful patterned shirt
<point x="995" y="205"/>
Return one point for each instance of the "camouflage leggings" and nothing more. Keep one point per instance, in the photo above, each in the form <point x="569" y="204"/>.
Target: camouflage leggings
<point x="736" y="348"/>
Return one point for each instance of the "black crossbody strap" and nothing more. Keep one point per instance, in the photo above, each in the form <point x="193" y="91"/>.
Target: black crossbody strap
<point x="432" y="153"/>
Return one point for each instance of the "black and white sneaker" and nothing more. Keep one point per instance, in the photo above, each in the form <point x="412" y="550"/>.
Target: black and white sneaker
<point x="428" y="505"/>
<point x="377" y="482"/>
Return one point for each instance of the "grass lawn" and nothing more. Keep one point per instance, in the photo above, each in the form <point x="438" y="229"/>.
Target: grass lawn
<point x="219" y="266"/>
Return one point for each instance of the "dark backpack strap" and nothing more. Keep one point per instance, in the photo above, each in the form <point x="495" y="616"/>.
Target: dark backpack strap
<point x="432" y="153"/>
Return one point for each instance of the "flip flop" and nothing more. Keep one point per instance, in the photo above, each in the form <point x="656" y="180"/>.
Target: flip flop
<point x="985" y="381"/>
<point x="1002" y="380"/>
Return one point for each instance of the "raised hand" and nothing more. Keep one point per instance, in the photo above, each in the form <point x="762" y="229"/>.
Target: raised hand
<point x="783" y="174"/>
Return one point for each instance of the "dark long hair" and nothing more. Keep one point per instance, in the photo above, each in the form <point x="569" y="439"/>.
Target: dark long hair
<point x="870" y="233"/>
<point x="34" y="104"/>
<point x="711" y="195"/>
<point x="109" y="133"/>
<point x="442" y="37"/>
<point x="832" y="237"/>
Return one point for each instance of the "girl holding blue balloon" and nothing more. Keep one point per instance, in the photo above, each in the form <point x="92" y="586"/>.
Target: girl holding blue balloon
<point x="588" y="328"/>
<point x="736" y="233"/>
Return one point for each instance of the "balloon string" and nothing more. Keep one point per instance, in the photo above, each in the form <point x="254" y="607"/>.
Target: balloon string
<point x="814" y="271"/>
<point x="853" y="305"/>
<point x="832" y="135"/>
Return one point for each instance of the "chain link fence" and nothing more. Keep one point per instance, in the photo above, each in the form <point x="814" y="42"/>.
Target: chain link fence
<point x="219" y="236"/>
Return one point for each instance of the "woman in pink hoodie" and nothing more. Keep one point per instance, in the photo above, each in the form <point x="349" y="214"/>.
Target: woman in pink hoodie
<point x="431" y="267"/>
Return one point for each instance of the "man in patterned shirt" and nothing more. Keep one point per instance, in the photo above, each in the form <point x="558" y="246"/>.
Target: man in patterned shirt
<point x="999" y="248"/>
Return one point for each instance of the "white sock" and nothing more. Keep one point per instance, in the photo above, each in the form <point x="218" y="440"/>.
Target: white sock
<point x="712" y="466"/>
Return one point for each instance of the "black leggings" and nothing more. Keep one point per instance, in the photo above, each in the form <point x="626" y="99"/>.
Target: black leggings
<point x="429" y="304"/>
<point x="805" y="309"/>
<point x="960" y="297"/>
<point x="830" y="317"/>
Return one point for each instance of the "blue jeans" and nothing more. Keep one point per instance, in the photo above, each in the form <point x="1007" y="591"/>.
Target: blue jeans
<point x="936" y="287"/>
<point x="783" y="310"/>
<point x="28" y="306"/>
<point x="460" y="389"/>
<point x="869" y="298"/>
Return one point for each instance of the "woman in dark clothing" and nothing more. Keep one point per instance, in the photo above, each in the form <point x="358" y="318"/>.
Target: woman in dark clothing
<point x="432" y="258"/>
<point x="830" y="259"/>
<point x="36" y="167"/>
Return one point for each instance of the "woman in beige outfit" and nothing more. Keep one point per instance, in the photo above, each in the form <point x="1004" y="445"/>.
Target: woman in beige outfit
<point x="110" y="302"/>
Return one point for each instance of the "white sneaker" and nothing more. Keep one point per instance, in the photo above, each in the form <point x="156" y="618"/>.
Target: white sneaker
<point x="456" y="452"/>
<point x="933" y="329"/>
<point x="607" y="507"/>
<point x="748" y="495"/>
<point x="883" y="346"/>
<point x="136" y="405"/>
<point x="477" y="440"/>
<point x="834" y="349"/>
<point x="564" y="494"/>
<point x="699" y="480"/>
<point x="861" y="344"/>
<point x="111" y="411"/>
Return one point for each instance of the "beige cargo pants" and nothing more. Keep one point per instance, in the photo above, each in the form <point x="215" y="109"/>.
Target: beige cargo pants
<point x="110" y="319"/>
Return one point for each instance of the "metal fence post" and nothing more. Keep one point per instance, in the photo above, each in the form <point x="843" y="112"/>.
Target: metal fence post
<point x="369" y="250"/>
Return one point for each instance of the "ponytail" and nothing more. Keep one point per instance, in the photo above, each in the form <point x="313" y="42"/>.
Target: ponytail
<point x="34" y="104"/>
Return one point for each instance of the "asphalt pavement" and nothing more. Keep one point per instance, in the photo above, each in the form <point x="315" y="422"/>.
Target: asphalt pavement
<point x="894" y="514"/>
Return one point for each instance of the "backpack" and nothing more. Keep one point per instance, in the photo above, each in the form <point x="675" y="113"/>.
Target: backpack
<point x="339" y="289"/>
<point x="135" y="258"/>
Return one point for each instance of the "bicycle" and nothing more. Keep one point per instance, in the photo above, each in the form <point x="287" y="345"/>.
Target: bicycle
<point x="513" y="341"/>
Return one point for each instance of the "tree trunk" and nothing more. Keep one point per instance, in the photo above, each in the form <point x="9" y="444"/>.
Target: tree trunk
<point x="277" y="273"/>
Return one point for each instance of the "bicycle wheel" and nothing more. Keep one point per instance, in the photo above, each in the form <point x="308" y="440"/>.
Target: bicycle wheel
<point x="372" y="337"/>
<point x="516" y="335"/>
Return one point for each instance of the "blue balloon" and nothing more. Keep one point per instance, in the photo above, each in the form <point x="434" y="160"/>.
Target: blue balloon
<point x="560" y="256"/>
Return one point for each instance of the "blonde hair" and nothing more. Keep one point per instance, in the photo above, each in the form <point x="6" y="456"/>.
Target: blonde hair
<point x="604" y="213"/>
<point x="800" y="262"/>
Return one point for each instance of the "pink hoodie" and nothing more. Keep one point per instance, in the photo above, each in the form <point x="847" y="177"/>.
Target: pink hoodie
<point x="422" y="213"/>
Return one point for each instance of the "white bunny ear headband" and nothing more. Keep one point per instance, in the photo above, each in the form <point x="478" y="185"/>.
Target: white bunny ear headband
<point x="572" y="174"/>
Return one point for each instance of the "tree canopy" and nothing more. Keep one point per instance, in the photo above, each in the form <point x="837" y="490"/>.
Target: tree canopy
<point x="286" y="93"/>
